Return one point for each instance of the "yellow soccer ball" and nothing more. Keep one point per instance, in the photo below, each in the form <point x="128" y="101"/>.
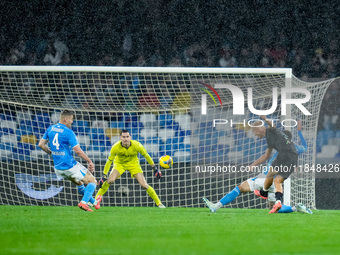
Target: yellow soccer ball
<point x="166" y="161"/>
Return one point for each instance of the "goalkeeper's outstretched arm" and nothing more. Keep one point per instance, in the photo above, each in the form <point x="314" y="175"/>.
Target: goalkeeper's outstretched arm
<point x="107" y="166"/>
<point x="105" y="172"/>
<point x="146" y="155"/>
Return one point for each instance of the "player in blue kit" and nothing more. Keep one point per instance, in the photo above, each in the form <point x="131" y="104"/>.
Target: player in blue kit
<point x="62" y="140"/>
<point x="257" y="183"/>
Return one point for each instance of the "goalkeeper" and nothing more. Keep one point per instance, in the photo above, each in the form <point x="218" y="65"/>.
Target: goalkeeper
<point x="123" y="154"/>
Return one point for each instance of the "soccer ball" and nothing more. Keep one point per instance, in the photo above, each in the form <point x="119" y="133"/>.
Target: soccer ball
<point x="166" y="161"/>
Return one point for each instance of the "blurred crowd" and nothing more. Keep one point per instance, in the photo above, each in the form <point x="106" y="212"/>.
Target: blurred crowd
<point x="176" y="33"/>
<point x="173" y="33"/>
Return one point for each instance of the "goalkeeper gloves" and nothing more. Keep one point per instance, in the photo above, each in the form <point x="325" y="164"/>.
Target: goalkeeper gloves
<point x="102" y="180"/>
<point x="158" y="173"/>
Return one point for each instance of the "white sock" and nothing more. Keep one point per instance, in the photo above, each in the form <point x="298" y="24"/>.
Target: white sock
<point x="90" y="204"/>
<point x="293" y="208"/>
<point x="218" y="205"/>
<point x="265" y="189"/>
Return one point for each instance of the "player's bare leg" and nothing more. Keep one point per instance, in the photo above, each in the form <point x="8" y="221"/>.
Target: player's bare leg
<point x="87" y="192"/>
<point x="278" y="183"/>
<point x="269" y="179"/>
<point x="244" y="187"/>
<point x="231" y="196"/>
<point x="263" y="193"/>
<point x="278" y="194"/>
<point x="151" y="192"/>
<point x="141" y="180"/>
<point x="89" y="178"/>
<point x="113" y="176"/>
<point x="75" y="181"/>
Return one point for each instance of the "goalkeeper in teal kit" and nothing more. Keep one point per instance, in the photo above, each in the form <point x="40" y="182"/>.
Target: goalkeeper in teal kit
<point x="62" y="140"/>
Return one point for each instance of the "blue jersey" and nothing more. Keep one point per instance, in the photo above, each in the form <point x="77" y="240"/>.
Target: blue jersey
<point x="62" y="140"/>
<point x="299" y="149"/>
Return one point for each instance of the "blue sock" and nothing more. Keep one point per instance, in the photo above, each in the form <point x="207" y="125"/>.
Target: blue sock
<point x="231" y="196"/>
<point x="286" y="209"/>
<point x="88" y="192"/>
<point x="81" y="191"/>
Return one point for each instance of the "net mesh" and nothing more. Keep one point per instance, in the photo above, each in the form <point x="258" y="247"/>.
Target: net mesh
<point x="162" y="110"/>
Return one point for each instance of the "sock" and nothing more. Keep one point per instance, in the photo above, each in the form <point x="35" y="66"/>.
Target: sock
<point x="231" y="196"/>
<point x="286" y="209"/>
<point x="152" y="193"/>
<point x="93" y="201"/>
<point x="92" y="204"/>
<point x="264" y="193"/>
<point x="279" y="196"/>
<point x="88" y="192"/>
<point x="103" y="189"/>
<point x="81" y="189"/>
<point x="218" y="205"/>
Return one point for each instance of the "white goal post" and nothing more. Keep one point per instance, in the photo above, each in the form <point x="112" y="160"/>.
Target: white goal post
<point x="161" y="107"/>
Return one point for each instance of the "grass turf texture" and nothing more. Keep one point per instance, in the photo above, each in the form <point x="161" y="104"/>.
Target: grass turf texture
<point x="140" y="230"/>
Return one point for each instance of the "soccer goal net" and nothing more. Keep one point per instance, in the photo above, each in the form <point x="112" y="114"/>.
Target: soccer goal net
<point x="171" y="111"/>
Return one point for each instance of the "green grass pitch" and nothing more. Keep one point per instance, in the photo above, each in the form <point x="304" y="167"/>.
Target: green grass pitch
<point x="140" y="230"/>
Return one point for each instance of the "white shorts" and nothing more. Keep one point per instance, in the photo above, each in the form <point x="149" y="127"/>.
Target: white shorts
<point x="78" y="172"/>
<point x="258" y="183"/>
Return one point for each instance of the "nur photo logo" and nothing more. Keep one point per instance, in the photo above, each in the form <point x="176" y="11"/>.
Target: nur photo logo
<point x="238" y="99"/>
<point x="238" y="102"/>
